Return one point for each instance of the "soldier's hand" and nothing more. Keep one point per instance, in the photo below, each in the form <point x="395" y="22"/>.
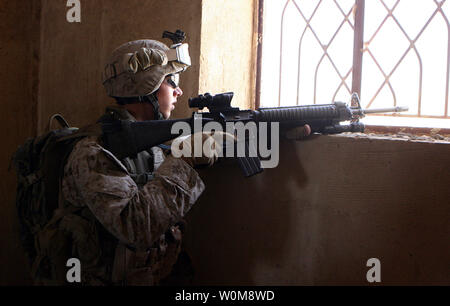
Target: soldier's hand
<point x="299" y="133"/>
<point x="209" y="145"/>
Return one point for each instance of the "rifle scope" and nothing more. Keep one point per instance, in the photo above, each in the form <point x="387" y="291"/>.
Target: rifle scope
<point x="219" y="101"/>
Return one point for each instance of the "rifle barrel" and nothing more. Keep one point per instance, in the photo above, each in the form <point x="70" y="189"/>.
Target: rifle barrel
<point x="386" y="110"/>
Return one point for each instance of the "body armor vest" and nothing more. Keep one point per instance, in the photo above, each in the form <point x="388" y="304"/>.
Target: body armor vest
<point x="142" y="166"/>
<point x="144" y="267"/>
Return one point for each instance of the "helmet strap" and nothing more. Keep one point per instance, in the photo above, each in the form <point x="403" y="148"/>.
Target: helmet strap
<point x="153" y="100"/>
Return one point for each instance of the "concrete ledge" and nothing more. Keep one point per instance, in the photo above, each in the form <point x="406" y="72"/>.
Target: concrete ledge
<point x="436" y="138"/>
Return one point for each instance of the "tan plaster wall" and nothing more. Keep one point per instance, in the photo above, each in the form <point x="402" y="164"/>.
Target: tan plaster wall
<point x="331" y="204"/>
<point x="73" y="54"/>
<point x="19" y="54"/>
<point x="228" y="51"/>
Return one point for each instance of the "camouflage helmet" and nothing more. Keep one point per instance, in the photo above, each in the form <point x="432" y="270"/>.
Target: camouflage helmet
<point x="138" y="68"/>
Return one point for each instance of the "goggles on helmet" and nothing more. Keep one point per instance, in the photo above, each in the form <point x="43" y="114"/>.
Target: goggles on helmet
<point x="130" y="62"/>
<point x="179" y="53"/>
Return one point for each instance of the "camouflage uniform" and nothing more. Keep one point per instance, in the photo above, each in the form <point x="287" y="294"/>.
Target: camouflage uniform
<point x="130" y="234"/>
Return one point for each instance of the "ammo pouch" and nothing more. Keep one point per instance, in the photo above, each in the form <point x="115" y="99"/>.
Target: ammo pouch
<point x="147" y="268"/>
<point x="67" y="235"/>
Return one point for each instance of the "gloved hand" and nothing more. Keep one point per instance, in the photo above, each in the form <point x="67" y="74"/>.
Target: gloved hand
<point x="299" y="133"/>
<point x="210" y="143"/>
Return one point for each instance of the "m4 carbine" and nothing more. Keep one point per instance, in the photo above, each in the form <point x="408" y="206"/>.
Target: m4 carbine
<point x="124" y="138"/>
<point x="322" y="118"/>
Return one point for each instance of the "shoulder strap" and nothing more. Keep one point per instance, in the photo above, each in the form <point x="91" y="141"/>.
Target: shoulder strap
<point x="62" y="122"/>
<point x="90" y="130"/>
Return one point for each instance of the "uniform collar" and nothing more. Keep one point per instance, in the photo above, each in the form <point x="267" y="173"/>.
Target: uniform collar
<point x="121" y="112"/>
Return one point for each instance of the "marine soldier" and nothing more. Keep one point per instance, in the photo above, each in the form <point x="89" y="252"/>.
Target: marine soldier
<point x="129" y="227"/>
<point x="127" y="221"/>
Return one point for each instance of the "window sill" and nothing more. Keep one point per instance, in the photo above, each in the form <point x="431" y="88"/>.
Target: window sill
<point x="436" y="133"/>
<point x="412" y="134"/>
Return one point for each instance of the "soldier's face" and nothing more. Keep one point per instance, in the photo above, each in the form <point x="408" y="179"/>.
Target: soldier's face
<point x="167" y="97"/>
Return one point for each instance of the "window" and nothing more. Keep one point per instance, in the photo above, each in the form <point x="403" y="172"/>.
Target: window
<point x="402" y="56"/>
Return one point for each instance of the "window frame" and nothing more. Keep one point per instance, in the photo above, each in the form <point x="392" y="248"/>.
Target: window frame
<point x="358" y="50"/>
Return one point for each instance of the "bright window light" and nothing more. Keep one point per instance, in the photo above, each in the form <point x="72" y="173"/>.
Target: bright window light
<point x="307" y="57"/>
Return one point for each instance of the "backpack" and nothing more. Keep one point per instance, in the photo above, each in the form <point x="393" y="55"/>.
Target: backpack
<point x="39" y="164"/>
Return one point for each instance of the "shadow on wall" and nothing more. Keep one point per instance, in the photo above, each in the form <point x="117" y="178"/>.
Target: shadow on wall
<point x="235" y="232"/>
<point x="332" y="204"/>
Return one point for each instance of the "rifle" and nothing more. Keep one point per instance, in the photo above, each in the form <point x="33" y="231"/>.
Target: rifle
<point x="124" y="138"/>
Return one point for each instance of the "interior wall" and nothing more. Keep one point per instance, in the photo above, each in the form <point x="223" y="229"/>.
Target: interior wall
<point x="228" y="50"/>
<point x="332" y="203"/>
<point x="74" y="54"/>
<point x="52" y="66"/>
<point x="57" y="68"/>
<point x="19" y="54"/>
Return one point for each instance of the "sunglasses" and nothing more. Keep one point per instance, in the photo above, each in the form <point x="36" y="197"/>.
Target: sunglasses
<point x="174" y="80"/>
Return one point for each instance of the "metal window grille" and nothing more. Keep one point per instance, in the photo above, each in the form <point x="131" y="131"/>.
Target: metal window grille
<point x="372" y="28"/>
